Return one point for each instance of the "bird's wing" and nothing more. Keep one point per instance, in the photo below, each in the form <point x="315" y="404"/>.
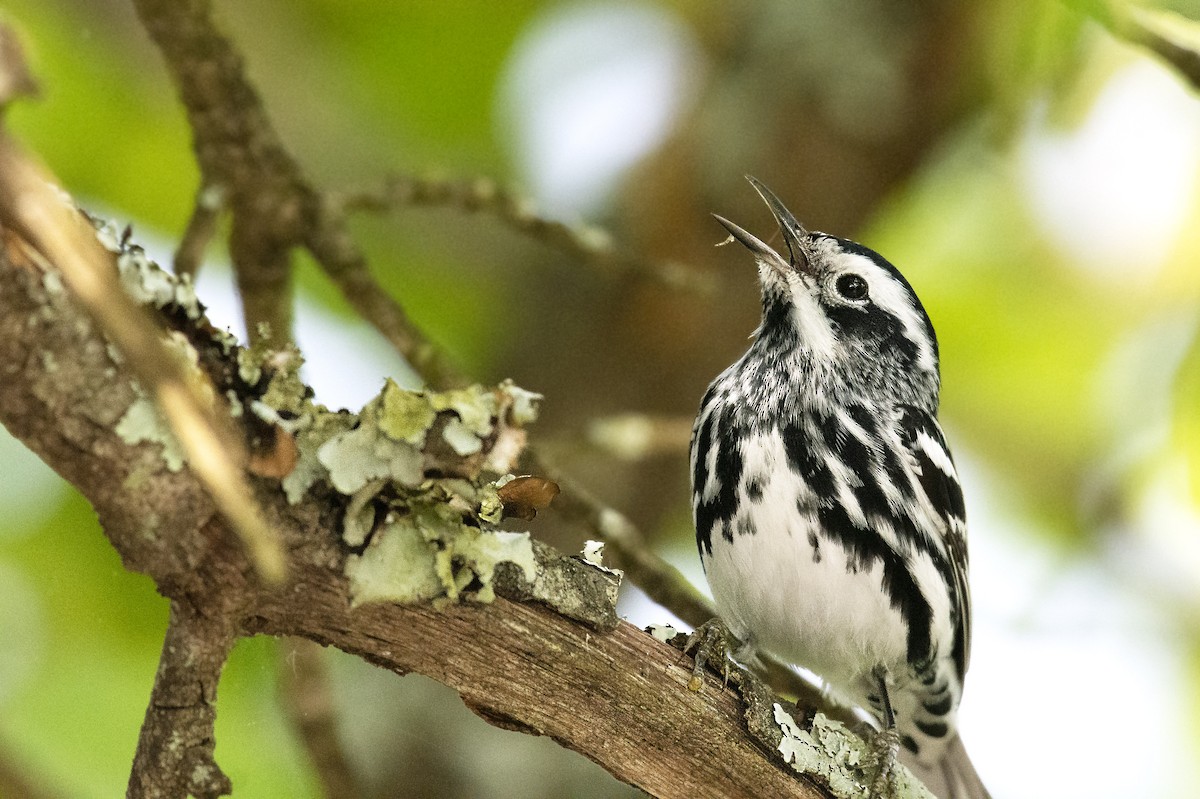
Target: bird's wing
<point x="938" y="478"/>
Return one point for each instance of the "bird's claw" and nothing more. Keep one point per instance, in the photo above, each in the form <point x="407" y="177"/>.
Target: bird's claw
<point x="711" y="642"/>
<point x="886" y="746"/>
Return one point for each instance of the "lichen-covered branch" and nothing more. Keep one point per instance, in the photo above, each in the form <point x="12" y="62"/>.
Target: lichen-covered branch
<point x="49" y="228"/>
<point x="424" y="583"/>
<point x="244" y="161"/>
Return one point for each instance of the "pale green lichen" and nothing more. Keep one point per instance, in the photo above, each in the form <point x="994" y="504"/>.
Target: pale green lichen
<point x="461" y="438"/>
<point x="397" y="566"/>
<point x="480" y="552"/>
<point x="143" y="422"/>
<point x="107" y="233"/>
<point x="359" y="518"/>
<point x="839" y="758"/>
<point x="381" y="445"/>
<point x="357" y="456"/>
<point x="429" y="554"/>
<point x="475" y="406"/>
<point x="385" y="440"/>
<point x="249" y="366"/>
<point x="524" y="403"/>
<point x="143" y="279"/>
<point x="322" y="427"/>
<point x="406" y="415"/>
<point x="434" y="542"/>
<point x="830" y="752"/>
<point x="491" y="507"/>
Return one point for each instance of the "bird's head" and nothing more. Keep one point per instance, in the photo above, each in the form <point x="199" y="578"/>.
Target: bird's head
<point x="853" y="323"/>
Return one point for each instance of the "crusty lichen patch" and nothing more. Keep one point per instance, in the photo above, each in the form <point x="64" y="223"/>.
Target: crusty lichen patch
<point x="837" y="757"/>
<point x="430" y="554"/>
<point x="143" y="279"/>
<point x="417" y="470"/>
<point x="142" y="422"/>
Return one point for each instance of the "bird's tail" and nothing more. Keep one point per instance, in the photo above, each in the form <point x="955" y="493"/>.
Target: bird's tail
<point x="953" y="777"/>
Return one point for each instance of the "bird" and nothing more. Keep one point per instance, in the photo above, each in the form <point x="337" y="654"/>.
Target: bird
<point x="828" y="510"/>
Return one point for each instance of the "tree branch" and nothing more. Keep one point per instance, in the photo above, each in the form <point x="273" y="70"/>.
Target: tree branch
<point x="273" y="206"/>
<point x="175" y="749"/>
<point x="589" y="243"/>
<point x="50" y="228"/>
<point x="550" y="658"/>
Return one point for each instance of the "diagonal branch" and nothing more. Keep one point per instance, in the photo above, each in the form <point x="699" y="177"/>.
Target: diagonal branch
<point x="593" y="684"/>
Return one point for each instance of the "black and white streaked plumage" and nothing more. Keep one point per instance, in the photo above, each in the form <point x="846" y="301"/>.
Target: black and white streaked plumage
<point x="828" y="511"/>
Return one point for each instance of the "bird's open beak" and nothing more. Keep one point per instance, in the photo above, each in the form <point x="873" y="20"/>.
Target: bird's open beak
<point x="793" y="234"/>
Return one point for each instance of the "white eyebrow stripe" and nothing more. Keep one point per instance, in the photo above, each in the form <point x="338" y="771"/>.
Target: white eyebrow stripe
<point x="891" y="295"/>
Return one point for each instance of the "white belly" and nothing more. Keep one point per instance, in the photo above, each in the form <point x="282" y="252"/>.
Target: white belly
<point x="801" y="603"/>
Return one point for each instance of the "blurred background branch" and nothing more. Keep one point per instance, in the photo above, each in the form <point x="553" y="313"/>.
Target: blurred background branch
<point x="587" y="243"/>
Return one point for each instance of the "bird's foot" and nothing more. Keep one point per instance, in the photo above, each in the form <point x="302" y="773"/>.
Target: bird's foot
<point x="711" y="641"/>
<point x="886" y="747"/>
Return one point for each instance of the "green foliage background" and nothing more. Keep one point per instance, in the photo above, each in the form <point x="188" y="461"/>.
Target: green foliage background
<point x="361" y="88"/>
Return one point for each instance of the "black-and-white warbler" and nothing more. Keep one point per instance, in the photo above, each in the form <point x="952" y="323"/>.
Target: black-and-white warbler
<point x="828" y="511"/>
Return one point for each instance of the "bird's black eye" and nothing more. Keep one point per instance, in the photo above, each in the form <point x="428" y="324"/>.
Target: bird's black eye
<point x="851" y="287"/>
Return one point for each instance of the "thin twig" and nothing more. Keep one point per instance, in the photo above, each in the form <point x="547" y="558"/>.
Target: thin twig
<point x="201" y="227"/>
<point x="587" y="242"/>
<point x="238" y="149"/>
<point x="1136" y="26"/>
<point x="331" y="244"/>
<point x="307" y="695"/>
